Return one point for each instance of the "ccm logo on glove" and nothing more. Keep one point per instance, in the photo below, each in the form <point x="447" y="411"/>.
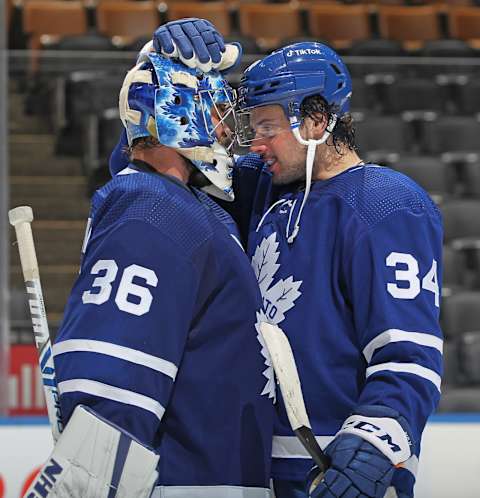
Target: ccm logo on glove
<point x="386" y="434"/>
<point x="379" y="432"/>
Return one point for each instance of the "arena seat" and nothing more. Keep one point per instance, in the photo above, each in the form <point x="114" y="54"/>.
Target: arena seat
<point x="84" y="45"/>
<point x="126" y="21"/>
<point x="375" y="47"/>
<point x="447" y="47"/>
<point x="471" y="172"/>
<point x="84" y="93"/>
<point x="19" y="309"/>
<point x="430" y="172"/>
<point x="339" y="25"/>
<point x="460" y="320"/>
<point x="364" y="98"/>
<point x="467" y="94"/>
<point x="452" y="134"/>
<point x="460" y="313"/>
<point x="383" y="135"/>
<point x="270" y="24"/>
<point x="460" y="399"/>
<point x="216" y="12"/>
<point x="454" y="270"/>
<point x="96" y="2"/>
<point x="469" y="355"/>
<point x="101" y="131"/>
<point x="461" y="220"/>
<point x="474" y="255"/>
<point x="8" y="13"/>
<point x="450" y="363"/>
<point x="420" y="95"/>
<point x="411" y="25"/>
<point x="464" y="24"/>
<point x="54" y="18"/>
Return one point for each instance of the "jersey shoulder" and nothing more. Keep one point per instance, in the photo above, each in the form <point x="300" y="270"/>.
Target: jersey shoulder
<point x="375" y="192"/>
<point x="156" y="201"/>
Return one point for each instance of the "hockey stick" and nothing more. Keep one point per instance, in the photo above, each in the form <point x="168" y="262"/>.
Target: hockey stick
<point x="20" y="218"/>
<point x="287" y="375"/>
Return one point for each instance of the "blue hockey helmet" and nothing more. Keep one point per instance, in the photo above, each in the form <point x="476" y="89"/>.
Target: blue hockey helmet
<point x="290" y="74"/>
<point x="173" y="103"/>
<point x="286" y="77"/>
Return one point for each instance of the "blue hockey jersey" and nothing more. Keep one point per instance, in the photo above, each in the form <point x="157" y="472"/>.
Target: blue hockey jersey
<point x="358" y="294"/>
<point x="159" y="336"/>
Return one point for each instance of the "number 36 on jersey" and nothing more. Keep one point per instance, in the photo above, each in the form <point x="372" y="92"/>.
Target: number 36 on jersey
<point x="130" y="297"/>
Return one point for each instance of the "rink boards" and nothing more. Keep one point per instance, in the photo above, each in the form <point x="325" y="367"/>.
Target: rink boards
<point x="449" y="466"/>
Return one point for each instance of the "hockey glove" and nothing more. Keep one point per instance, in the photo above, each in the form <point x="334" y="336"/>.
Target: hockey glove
<point x="358" y="469"/>
<point x="95" y="459"/>
<point x="198" y="44"/>
<point x="363" y="455"/>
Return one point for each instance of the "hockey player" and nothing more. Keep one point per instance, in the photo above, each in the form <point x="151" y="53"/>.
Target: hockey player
<point x="159" y="339"/>
<point x="349" y="264"/>
<point x="360" y="247"/>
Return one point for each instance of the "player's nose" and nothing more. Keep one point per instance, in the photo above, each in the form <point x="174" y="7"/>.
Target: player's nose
<point x="259" y="149"/>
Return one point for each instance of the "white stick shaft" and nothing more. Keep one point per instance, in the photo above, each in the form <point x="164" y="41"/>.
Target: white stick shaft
<point x="21" y="218"/>
<point x="285" y="368"/>
<point x="286" y="371"/>
<point x="26" y="248"/>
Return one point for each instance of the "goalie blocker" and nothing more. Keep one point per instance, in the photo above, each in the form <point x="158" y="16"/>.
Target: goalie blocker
<point x="95" y="459"/>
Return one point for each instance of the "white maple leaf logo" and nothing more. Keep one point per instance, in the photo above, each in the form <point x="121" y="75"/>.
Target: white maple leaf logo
<point x="277" y="298"/>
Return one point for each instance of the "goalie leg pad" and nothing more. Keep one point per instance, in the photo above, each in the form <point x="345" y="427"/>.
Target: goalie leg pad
<point x="95" y="459"/>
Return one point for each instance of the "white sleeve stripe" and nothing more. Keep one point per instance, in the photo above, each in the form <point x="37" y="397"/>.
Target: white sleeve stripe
<point x="396" y="335"/>
<point x="114" y="393"/>
<point x="412" y="368"/>
<point x="290" y="446"/>
<point x="122" y="352"/>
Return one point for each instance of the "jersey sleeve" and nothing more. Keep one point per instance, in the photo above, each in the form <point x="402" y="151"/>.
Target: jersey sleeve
<point x="394" y="277"/>
<point x="125" y="327"/>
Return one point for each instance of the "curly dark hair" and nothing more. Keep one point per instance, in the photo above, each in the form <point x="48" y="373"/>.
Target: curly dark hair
<point x="343" y="133"/>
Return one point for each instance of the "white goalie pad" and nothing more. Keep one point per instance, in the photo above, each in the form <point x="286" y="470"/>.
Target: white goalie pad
<point x="94" y="459"/>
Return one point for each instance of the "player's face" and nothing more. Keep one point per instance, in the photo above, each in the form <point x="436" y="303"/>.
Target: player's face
<point x="275" y="142"/>
<point x="223" y="132"/>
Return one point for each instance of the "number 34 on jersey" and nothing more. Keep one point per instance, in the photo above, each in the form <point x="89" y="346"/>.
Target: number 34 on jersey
<point x="408" y="283"/>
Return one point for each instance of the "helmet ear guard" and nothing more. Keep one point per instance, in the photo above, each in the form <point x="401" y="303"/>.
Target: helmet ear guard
<point x="173" y="103"/>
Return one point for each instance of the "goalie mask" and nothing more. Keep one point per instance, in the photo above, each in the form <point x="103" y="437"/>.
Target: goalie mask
<point x="167" y="100"/>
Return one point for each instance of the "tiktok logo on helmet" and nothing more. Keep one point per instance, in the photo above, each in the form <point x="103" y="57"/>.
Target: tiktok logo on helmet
<point x="290" y="74"/>
<point x="304" y="51"/>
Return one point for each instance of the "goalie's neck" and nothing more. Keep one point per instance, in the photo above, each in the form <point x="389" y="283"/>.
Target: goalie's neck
<point x="164" y="160"/>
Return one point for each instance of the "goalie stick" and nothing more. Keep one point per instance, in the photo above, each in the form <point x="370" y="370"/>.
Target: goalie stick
<point x="287" y="375"/>
<point x="21" y="218"/>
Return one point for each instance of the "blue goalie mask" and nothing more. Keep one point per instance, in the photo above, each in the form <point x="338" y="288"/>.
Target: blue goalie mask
<point x="287" y="76"/>
<point x="173" y="103"/>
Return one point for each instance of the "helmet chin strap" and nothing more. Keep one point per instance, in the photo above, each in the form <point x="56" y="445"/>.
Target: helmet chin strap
<point x="311" y="149"/>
